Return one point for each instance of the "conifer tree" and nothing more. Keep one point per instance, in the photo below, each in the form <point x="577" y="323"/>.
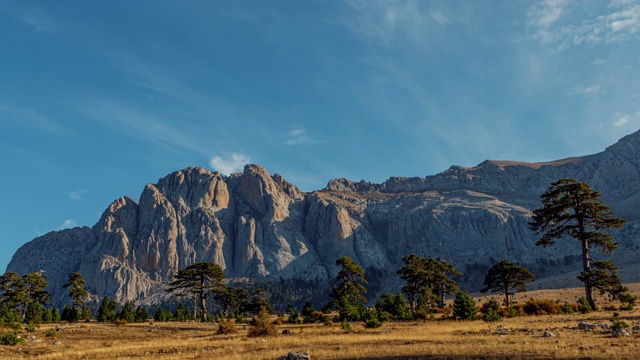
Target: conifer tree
<point x="348" y="289"/>
<point x="504" y="276"/>
<point x="572" y="208"/>
<point x="197" y="280"/>
<point x="76" y="290"/>
<point x="427" y="277"/>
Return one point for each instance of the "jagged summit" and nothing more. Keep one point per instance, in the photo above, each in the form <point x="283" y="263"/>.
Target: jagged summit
<point x="254" y="224"/>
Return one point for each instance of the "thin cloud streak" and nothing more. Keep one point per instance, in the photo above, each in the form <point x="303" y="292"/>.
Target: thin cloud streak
<point x="32" y="119"/>
<point x="38" y="20"/>
<point x="299" y="136"/>
<point x="78" y="194"/>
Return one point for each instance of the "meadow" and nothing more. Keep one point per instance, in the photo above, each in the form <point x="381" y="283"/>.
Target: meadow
<point x="512" y="338"/>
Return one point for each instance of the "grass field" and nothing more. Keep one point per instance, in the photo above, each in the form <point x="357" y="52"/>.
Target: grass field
<point x="514" y="338"/>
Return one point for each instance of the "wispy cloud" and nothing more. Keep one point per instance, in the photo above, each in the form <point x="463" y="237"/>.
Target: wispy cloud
<point x="38" y="20"/>
<point x="31" y="118"/>
<point x="385" y="22"/>
<point x="78" y="194"/>
<point x="230" y="164"/>
<point x="585" y="90"/>
<point x="621" y="119"/>
<point x="559" y="23"/>
<point x="299" y="136"/>
<point x="68" y="224"/>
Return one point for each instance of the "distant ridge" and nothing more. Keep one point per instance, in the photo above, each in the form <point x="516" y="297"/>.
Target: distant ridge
<point x="258" y="225"/>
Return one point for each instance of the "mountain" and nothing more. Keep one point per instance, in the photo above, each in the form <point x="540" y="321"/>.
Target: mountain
<point x="257" y="225"/>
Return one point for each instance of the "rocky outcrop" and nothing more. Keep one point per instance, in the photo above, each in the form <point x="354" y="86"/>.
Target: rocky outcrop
<point x="260" y="226"/>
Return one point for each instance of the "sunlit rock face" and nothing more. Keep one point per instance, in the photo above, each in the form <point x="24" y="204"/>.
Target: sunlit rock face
<point x="260" y="226"/>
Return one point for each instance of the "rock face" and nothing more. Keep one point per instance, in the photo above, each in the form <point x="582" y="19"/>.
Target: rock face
<point x="260" y="226"/>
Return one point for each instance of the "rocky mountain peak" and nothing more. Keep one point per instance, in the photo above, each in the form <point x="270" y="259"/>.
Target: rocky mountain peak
<point x="257" y="225"/>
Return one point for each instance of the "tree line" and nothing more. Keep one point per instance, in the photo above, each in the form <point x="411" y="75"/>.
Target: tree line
<point x="570" y="209"/>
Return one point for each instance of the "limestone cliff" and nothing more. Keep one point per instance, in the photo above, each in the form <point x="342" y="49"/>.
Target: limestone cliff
<point x="256" y="225"/>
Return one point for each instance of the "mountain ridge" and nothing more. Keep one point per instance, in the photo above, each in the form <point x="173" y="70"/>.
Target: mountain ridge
<point x="257" y="225"/>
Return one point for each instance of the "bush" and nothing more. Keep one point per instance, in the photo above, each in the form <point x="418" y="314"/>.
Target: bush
<point x="626" y="307"/>
<point x="121" y="322"/>
<point x="261" y="326"/>
<point x="345" y="325"/>
<point x="162" y="315"/>
<point x="51" y="333"/>
<point x="566" y="309"/>
<point x="10" y="338"/>
<point x="141" y="314"/>
<point x="464" y="306"/>
<point x="226" y="327"/>
<point x="315" y="317"/>
<point x="371" y="319"/>
<point x="30" y="328"/>
<point x="491" y="304"/>
<point x="617" y="323"/>
<point x="491" y="315"/>
<point x="512" y="312"/>
<point x="584" y="306"/>
<point x="294" y="316"/>
<point x="539" y="307"/>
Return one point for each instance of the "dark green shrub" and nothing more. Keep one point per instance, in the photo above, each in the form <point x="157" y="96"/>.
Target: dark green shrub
<point x="70" y="314"/>
<point x="617" y="323"/>
<point x="127" y="313"/>
<point x="10" y="338"/>
<point x="34" y="313"/>
<point x="464" y="306"/>
<point x="584" y="306"/>
<point x="372" y="318"/>
<point x="491" y="315"/>
<point x="491" y="304"/>
<point x="51" y="333"/>
<point x="294" y="316"/>
<point x="162" y="315"/>
<point x="107" y="310"/>
<point x="345" y="325"/>
<point x="30" y="328"/>
<point x="141" y="315"/>
<point x="566" y="309"/>
<point x="181" y="313"/>
<point x="512" y="312"/>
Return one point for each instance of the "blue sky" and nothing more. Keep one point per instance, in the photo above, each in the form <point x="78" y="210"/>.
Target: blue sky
<point x="98" y="98"/>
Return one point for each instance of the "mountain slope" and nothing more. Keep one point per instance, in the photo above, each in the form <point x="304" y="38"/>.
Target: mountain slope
<point x="260" y="226"/>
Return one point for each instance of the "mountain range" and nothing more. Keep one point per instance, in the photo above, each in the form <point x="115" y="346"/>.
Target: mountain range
<point x="259" y="226"/>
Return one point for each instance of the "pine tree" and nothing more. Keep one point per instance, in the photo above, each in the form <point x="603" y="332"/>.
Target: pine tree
<point x="428" y="277"/>
<point x="127" y="313"/>
<point x="504" y="276"/>
<point x="107" y="310"/>
<point x="142" y="314"/>
<point x="76" y="289"/>
<point x="197" y="280"/>
<point x="572" y="208"/>
<point x="347" y="292"/>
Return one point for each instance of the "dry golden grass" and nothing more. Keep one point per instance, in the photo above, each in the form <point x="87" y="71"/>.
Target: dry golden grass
<point x="516" y="338"/>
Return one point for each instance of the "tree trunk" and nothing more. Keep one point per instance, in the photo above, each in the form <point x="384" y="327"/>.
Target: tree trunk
<point x="586" y="266"/>
<point x="507" y="303"/>
<point x="203" y="306"/>
<point x="195" y="306"/>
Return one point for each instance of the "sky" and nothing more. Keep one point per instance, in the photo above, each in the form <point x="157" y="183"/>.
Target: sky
<point x="99" y="98"/>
